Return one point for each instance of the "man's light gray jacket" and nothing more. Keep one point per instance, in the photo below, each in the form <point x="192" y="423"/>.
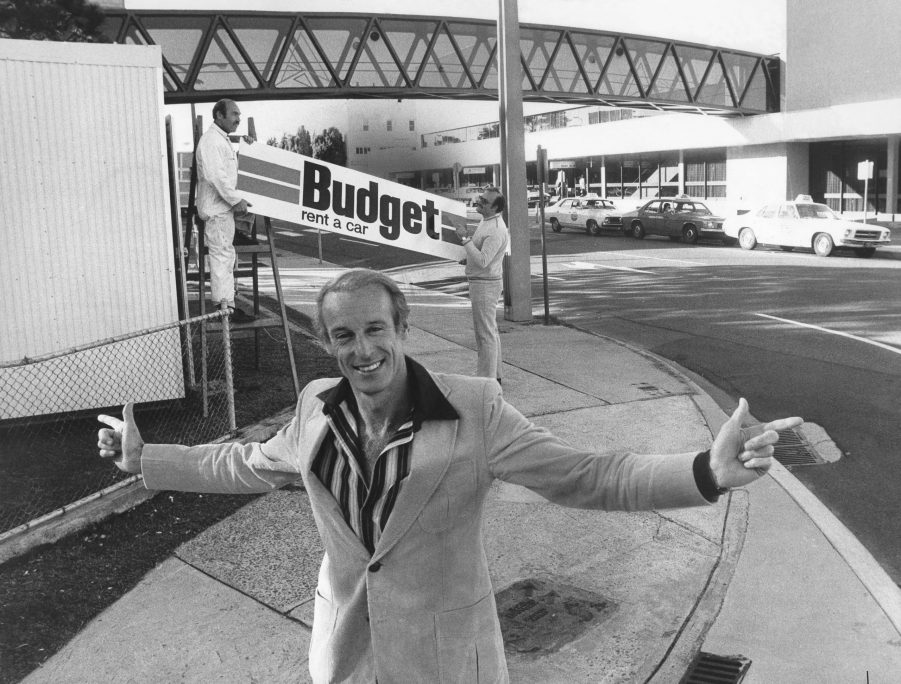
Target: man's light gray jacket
<point x="421" y="608"/>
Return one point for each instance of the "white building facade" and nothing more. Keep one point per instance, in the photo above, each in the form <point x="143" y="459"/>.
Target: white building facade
<point x="840" y="106"/>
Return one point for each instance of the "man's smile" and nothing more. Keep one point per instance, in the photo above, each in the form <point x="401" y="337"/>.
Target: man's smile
<point x="370" y="367"/>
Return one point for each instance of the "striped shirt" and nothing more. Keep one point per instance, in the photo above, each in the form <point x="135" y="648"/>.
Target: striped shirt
<point x="340" y="462"/>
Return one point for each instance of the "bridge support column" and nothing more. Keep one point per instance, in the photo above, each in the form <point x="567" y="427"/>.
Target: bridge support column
<point x="517" y="271"/>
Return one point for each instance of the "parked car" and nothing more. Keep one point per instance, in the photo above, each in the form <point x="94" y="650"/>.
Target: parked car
<point x="678" y="218"/>
<point x="591" y="214"/>
<point x="805" y="223"/>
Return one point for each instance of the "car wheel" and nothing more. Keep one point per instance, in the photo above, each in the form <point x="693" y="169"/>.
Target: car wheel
<point x="638" y="230"/>
<point x="786" y="248"/>
<point x="555" y="225"/>
<point x="690" y="234"/>
<point x="747" y="239"/>
<point x="822" y="244"/>
<point x="866" y="252"/>
<point x="593" y="227"/>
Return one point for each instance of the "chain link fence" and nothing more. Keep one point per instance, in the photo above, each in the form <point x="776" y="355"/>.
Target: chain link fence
<point x="179" y="376"/>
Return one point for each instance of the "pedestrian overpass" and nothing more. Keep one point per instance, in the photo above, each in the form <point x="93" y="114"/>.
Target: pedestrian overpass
<point x="245" y="55"/>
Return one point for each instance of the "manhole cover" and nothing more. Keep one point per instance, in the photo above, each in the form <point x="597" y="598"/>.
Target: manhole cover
<point x="539" y="616"/>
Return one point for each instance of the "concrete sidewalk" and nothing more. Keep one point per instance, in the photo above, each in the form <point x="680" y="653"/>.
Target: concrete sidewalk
<point x="767" y="574"/>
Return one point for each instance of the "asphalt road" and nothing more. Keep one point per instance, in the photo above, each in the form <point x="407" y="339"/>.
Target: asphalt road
<point x="794" y="333"/>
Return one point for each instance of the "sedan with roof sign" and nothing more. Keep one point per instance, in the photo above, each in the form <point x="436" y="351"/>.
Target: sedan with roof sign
<point x="678" y="218"/>
<point x="803" y="223"/>
<point x="591" y="214"/>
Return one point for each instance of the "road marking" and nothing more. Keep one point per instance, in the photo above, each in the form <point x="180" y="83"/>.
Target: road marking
<point x="881" y="345"/>
<point x="362" y="243"/>
<point x="676" y="261"/>
<point x="586" y="264"/>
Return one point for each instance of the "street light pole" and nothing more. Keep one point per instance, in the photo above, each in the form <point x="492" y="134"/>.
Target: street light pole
<point x="517" y="274"/>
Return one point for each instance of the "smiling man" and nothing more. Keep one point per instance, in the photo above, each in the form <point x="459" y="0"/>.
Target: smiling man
<point x="397" y="462"/>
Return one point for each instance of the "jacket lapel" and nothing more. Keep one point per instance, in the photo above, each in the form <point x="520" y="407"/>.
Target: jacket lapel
<point x="433" y="447"/>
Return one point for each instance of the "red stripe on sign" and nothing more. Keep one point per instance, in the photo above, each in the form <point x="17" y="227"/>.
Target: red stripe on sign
<point x="449" y="219"/>
<point x="276" y="172"/>
<point x="258" y="186"/>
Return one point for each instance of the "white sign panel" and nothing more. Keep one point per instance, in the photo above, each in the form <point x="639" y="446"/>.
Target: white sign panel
<point x="865" y="170"/>
<point x="566" y="164"/>
<point x="292" y="187"/>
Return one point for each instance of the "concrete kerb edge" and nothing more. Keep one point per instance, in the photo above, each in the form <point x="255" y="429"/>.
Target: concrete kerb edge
<point x="690" y="637"/>
<point x="871" y="574"/>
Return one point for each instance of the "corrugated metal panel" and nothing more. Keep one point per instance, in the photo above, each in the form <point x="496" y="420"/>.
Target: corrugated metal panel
<point x="87" y="251"/>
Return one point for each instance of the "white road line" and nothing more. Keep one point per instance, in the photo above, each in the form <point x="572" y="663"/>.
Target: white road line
<point x="675" y="261"/>
<point x="362" y="243"/>
<point x="881" y="345"/>
<point x="586" y="264"/>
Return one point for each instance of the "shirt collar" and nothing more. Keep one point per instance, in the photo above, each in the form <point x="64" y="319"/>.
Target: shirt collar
<point x="221" y="132"/>
<point x="429" y="402"/>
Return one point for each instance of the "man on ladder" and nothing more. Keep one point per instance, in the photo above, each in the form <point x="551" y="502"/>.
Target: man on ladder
<point x="218" y="203"/>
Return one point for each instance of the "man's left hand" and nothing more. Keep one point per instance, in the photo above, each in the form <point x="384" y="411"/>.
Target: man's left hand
<point x="740" y="455"/>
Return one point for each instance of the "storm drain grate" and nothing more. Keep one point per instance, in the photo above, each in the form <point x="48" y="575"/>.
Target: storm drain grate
<point x="708" y="668"/>
<point x="539" y="616"/>
<point x="792" y="450"/>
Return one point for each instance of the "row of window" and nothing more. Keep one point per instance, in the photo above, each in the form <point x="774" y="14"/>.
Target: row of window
<point x="389" y="125"/>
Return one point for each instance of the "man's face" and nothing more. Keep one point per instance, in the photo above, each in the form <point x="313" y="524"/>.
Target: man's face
<point x="485" y="204"/>
<point x="229" y="122"/>
<point x="363" y="339"/>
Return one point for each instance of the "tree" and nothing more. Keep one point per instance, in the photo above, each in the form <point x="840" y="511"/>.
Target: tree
<point x="298" y="142"/>
<point x="74" y="21"/>
<point x="329" y="147"/>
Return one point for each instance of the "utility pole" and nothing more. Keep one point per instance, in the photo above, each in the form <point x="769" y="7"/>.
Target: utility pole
<point x="517" y="272"/>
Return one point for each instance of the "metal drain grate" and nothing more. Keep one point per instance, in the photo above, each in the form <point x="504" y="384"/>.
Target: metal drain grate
<point x="793" y="451"/>
<point x="708" y="668"/>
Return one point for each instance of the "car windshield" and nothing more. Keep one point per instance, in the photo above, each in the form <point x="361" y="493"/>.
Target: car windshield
<point x="815" y="211"/>
<point x="599" y="204"/>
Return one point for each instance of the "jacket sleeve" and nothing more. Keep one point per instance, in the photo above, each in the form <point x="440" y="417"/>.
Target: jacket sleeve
<point x="522" y="453"/>
<point x="228" y="468"/>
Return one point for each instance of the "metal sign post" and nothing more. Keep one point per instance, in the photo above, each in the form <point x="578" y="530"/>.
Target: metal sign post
<point x="865" y="173"/>
<point x="541" y="162"/>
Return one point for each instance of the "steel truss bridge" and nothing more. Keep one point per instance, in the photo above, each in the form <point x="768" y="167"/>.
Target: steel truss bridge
<point x="279" y="55"/>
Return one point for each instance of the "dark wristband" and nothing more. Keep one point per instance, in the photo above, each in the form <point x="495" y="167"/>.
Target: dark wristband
<point x="704" y="478"/>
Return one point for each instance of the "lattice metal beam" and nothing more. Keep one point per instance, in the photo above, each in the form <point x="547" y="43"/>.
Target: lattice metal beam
<point x="282" y="55"/>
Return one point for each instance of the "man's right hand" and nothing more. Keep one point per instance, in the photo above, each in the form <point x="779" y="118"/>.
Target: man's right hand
<point x="241" y="207"/>
<point x="121" y="441"/>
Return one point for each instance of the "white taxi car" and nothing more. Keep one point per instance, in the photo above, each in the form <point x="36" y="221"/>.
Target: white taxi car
<point x="589" y="213"/>
<point x="804" y="223"/>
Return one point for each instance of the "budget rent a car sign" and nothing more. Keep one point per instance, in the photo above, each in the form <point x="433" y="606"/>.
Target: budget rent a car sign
<point x="289" y="186"/>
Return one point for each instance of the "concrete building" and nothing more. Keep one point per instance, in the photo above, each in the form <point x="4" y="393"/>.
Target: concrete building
<point x="840" y="104"/>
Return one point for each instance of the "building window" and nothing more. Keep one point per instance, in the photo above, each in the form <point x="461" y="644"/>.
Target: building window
<point x="389" y="124"/>
<point x="412" y="125"/>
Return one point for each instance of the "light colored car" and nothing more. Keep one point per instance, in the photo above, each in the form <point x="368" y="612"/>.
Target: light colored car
<point x="805" y="223"/>
<point x="591" y="214"/>
<point x="678" y="218"/>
